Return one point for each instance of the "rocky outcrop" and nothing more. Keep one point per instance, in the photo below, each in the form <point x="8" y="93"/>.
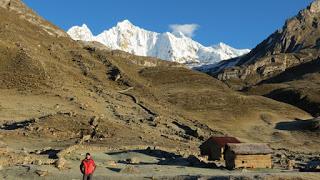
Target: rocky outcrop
<point x="296" y="43"/>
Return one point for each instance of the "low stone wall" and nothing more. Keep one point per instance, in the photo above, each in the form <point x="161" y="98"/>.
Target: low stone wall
<point x="253" y="161"/>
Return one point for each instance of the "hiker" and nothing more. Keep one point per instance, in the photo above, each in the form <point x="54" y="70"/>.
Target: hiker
<point x="87" y="167"/>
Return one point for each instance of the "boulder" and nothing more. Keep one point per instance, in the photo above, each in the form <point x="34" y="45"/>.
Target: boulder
<point x="37" y="162"/>
<point x="94" y="121"/>
<point x="60" y="163"/>
<point x="110" y="163"/>
<point x="86" y="138"/>
<point x="42" y="173"/>
<point x="130" y="170"/>
<point x="133" y="160"/>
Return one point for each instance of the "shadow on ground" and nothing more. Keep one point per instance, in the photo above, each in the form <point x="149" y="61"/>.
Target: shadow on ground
<point x="17" y="125"/>
<point x="164" y="158"/>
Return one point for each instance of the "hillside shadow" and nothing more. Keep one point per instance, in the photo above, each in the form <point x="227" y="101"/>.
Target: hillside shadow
<point x="297" y="125"/>
<point x="295" y="98"/>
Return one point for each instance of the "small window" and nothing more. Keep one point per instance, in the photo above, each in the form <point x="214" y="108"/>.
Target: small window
<point x="243" y="162"/>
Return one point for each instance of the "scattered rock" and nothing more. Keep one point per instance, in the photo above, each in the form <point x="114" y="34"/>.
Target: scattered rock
<point x="37" y="162"/>
<point x="60" y="163"/>
<point x="42" y="173"/>
<point x="94" y="121"/>
<point x="291" y="164"/>
<point x="117" y="77"/>
<point x="133" y="160"/>
<point x="110" y="163"/>
<point x="38" y="129"/>
<point x="38" y="151"/>
<point x="72" y="98"/>
<point x="68" y="113"/>
<point x="84" y="106"/>
<point x="130" y="170"/>
<point x="86" y="138"/>
<point x="29" y="128"/>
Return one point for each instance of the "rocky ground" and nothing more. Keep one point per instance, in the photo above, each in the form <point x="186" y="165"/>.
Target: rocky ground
<point x="138" y="162"/>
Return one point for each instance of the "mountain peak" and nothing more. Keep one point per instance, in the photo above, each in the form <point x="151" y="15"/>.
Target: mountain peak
<point x="125" y="24"/>
<point x="82" y="33"/>
<point x="222" y="45"/>
<point x="84" y="26"/>
<point x="179" y="34"/>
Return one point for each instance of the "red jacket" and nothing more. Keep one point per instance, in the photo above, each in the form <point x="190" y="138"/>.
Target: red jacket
<point x="87" y="166"/>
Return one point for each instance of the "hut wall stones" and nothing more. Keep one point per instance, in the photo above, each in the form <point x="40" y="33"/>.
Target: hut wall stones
<point x="247" y="155"/>
<point x="249" y="161"/>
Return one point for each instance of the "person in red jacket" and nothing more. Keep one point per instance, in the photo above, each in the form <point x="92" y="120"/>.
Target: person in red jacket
<point x="87" y="167"/>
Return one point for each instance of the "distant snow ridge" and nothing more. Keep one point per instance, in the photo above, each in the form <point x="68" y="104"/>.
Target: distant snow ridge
<point x="168" y="46"/>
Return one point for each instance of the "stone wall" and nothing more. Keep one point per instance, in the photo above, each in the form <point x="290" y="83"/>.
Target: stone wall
<point x="253" y="161"/>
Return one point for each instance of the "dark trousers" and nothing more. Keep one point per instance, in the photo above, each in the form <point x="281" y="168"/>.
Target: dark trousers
<point x="87" y="176"/>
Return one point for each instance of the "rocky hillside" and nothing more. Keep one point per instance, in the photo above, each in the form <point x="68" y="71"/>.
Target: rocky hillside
<point x="298" y="86"/>
<point x="285" y="66"/>
<point x="297" y="42"/>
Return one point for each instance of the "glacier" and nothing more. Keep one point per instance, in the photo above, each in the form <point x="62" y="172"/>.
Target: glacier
<point x="174" y="47"/>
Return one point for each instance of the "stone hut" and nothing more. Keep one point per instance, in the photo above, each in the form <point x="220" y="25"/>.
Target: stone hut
<point x="248" y="155"/>
<point x="214" y="147"/>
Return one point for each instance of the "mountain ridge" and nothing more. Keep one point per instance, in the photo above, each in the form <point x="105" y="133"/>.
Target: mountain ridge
<point x="167" y="46"/>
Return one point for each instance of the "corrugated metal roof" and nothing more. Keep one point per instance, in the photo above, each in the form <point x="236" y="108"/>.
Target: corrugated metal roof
<point x="222" y="141"/>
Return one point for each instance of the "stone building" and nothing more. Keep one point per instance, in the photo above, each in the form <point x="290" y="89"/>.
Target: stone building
<point x="248" y="155"/>
<point x="214" y="147"/>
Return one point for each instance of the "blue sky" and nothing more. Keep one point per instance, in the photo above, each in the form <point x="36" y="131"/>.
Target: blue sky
<point x="239" y="23"/>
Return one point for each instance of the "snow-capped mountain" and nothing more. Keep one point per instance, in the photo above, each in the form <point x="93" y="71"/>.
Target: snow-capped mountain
<point x="168" y="46"/>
